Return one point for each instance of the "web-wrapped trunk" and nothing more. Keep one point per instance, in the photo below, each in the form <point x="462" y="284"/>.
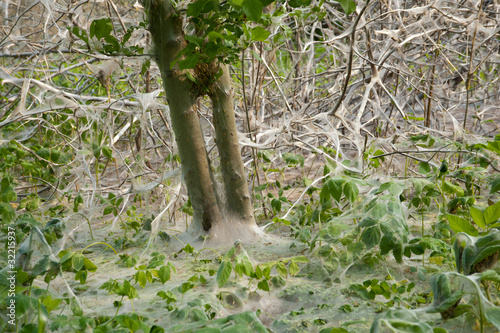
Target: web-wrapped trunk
<point x="165" y="26"/>
<point x="168" y="37"/>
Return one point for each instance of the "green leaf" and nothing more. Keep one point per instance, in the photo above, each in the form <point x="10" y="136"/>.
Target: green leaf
<point x="351" y="191"/>
<point x="96" y="150"/>
<point x="301" y="259"/>
<point x="335" y="186"/>
<point x="349" y="6"/>
<point x="492" y="213"/>
<point x="299" y="3"/>
<point x="164" y="274"/>
<point x="293" y="268"/>
<point x="214" y="35"/>
<point x="371" y="236"/>
<point x="168" y="296"/>
<point x="140" y="277"/>
<point x="415" y="249"/>
<point x="280" y="267"/>
<point x="493" y="316"/>
<point x="8" y="194"/>
<point x="495" y="185"/>
<point x="185" y="287"/>
<point x="252" y="9"/>
<point x="89" y="265"/>
<point x="276" y="205"/>
<point x="101" y="28"/>
<point x="379" y="210"/>
<point x="424" y="167"/>
<point x="397" y="251"/>
<point x="494" y="146"/>
<point x="81" y="276"/>
<point x="55" y="155"/>
<point x="157" y="329"/>
<point x="77" y="261"/>
<point x="195" y="40"/>
<point x="453" y="189"/>
<point x="246" y="266"/>
<point x="7" y="212"/>
<point x="291" y="159"/>
<point x="145" y="66"/>
<point x="263" y="285"/>
<point x="189" y="62"/>
<point x="260" y="34"/>
<point x="80" y="34"/>
<point x="224" y="273"/>
<point x="478" y="216"/>
<point x="459" y="224"/>
<point x="106" y="151"/>
<point x="345" y="308"/>
<point x="108" y="210"/>
<point x="113" y="45"/>
<point x="443" y="168"/>
<point x="194" y="9"/>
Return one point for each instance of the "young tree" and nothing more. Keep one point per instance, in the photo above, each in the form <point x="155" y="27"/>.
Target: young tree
<point x="183" y="87"/>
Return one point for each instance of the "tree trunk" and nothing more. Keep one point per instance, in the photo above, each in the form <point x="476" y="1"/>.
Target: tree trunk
<point x="233" y="173"/>
<point x="165" y="26"/>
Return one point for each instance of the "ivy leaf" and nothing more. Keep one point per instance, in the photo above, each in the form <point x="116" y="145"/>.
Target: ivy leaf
<point x="224" y="273"/>
<point x="252" y="9"/>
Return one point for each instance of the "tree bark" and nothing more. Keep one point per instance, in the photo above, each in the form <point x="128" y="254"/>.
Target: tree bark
<point x="165" y="26"/>
<point x="238" y="199"/>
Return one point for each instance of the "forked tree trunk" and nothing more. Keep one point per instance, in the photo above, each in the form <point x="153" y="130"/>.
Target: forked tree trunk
<point x="238" y="199"/>
<point x="165" y="26"/>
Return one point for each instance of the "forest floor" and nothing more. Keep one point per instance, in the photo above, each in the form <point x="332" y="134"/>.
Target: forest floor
<point x="310" y="301"/>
